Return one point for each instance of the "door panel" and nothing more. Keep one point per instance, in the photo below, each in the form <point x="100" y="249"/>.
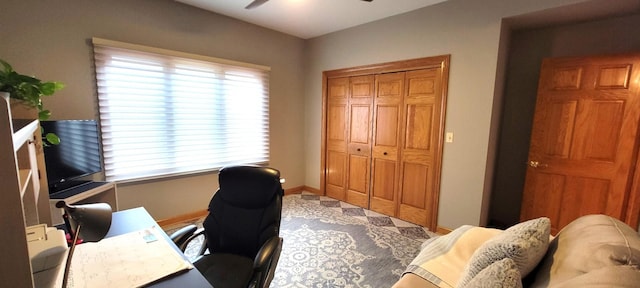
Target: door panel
<point x="337" y="113"/>
<point x="384" y="186"/>
<point x="560" y="120"/>
<point x="584" y="139"/>
<point x="420" y="122"/>
<point x="415" y="190"/>
<point x="614" y="76"/>
<point x="414" y="184"/>
<point x="360" y="103"/>
<point x="593" y="202"/>
<point x="552" y="183"/>
<point x="336" y="167"/>
<point x="387" y="105"/>
<point x="337" y="127"/>
<point x="359" y="130"/>
<point x="600" y="130"/>
<point x="419" y="125"/>
<point x="387" y="125"/>
<point x="357" y="189"/>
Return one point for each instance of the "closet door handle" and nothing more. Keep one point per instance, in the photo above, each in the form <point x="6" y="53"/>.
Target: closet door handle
<point x="385" y="153"/>
<point x="358" y="149"/>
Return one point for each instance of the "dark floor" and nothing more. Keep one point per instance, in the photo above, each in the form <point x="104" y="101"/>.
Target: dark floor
<point x="405" y="228"/>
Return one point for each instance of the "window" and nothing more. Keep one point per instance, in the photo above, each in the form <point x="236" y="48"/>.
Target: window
<point x="169" y="113"/>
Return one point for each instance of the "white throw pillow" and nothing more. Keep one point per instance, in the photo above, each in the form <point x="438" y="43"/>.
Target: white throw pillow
<point x="524" y="243"/>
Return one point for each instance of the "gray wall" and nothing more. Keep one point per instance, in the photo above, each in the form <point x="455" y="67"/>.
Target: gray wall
<point x="50" y="39"/>
<point x="527" y="49"/>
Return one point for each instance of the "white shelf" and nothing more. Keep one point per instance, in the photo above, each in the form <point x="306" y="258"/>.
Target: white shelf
<point x="23" y="134"/>
<point x="20" y="192"/>
<point x="25" y="177"/>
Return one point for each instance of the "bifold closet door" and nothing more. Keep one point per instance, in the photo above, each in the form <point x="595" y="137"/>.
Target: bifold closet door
<point x="386" y="140"/>
<point x="383" y="136"/>
<point x="359" y="140"/>
<point x="349" y="116"/>
<point x="336" y="149"/>
<point x="420" y="143"/>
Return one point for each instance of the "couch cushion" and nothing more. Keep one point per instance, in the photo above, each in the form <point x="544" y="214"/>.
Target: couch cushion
<point x="502" y="273"/>
<point x="525" y="243"/>
<point x="410" y="280"/>
<point x="587" y="244"/>
<point x="607" y="277"/>
<point x="442" y="260"/>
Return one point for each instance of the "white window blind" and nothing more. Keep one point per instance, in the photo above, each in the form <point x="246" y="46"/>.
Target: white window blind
<point x="170" y="113"/>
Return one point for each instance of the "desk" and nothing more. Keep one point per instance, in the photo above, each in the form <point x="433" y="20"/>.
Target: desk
<point x="138" y="218"/>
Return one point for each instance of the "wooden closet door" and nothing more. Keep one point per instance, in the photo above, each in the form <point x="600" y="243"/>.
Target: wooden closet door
<point x="386" y="139"/>
<point x="418" y="190"/>
<point x="359" y="140"/>
<point x="336" y="155"/>
<point x="391" y="159"/>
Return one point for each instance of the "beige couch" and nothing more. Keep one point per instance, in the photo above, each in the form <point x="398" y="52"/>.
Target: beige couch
<point x="592" y="251"/>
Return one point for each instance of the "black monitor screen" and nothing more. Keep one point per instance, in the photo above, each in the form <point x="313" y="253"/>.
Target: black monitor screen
<point x="77" y="155"/>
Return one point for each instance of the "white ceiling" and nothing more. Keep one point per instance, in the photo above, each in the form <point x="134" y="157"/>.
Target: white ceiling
<point x="310" y="18"/>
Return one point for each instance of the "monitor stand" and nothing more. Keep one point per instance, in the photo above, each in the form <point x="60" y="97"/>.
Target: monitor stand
<point x="62" y="186"/>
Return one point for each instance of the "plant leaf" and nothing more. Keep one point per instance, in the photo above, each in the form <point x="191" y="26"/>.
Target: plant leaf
<point x="52" y="138"/>
<point x="48" y="88"/>
<point x="7" y="67"/>
<point x="58" y="85"/>
<point x="44" y="115"/>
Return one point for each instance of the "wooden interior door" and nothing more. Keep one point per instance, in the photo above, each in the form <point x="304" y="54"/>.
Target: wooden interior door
<point x="584" y="139"/>
<point x="359" y="140"/>
<point x="420" y="143"/>
<point x="336" y="162"/>
<point x="386" y="140"/>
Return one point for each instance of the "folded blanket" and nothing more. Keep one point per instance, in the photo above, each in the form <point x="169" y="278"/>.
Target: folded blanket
<point x="443" y="259"/>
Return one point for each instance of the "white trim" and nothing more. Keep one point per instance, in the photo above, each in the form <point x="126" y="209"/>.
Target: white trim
<point x="149" y="49"/>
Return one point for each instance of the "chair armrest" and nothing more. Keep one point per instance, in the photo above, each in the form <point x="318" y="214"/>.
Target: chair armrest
<point x="264" y="256"/>
<point x="180" y="237"/>
<point x="185" y="235"/>
<point x="204" y="246"/>
<point x="264" y="265"/>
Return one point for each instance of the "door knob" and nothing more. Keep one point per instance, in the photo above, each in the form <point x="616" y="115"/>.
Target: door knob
<point x="536" y="164"/>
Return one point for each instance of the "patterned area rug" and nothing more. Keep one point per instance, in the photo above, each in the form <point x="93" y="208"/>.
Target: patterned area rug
<point x="329" y="243"/>
<point x="325" y="248"/>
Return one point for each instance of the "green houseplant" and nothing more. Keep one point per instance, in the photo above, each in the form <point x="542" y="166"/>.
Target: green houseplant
<point x="29" y="91"/>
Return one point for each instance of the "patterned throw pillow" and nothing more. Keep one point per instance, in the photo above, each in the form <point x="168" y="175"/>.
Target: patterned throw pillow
<point x="525" y="243"/>
<point x="501" y="274"/>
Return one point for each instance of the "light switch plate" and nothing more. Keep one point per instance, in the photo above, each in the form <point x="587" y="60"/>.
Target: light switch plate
<point x="448" y="137"/>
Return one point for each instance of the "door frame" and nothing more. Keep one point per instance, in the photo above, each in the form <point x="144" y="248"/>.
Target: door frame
<point x="442" y="62"/>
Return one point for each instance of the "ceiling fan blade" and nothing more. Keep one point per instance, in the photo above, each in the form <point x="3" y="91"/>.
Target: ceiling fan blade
<point x="255" y="4"/>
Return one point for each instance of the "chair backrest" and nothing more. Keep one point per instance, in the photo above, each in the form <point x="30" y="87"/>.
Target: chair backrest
<point x="245" y="211"/>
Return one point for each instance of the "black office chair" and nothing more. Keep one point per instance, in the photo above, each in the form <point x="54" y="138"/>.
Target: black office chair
<point x="241" y="230"/>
